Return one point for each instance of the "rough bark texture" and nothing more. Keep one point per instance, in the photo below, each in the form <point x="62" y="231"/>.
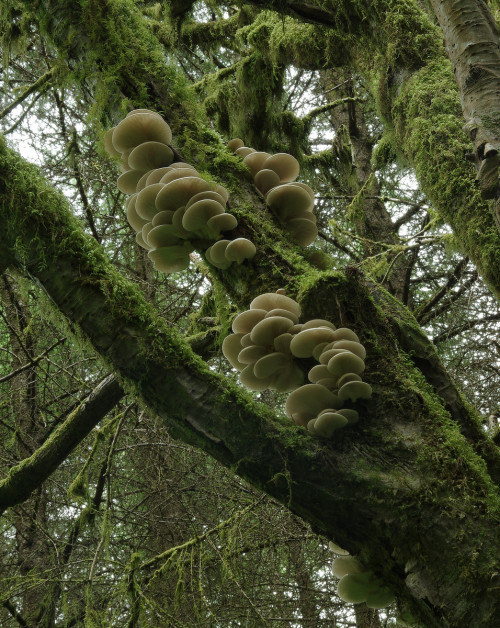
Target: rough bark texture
<point x="473" y="46"/>
<point x="403" y="489"/>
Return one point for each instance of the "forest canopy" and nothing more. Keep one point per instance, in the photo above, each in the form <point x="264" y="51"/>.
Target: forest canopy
<point x="145" y="480"/>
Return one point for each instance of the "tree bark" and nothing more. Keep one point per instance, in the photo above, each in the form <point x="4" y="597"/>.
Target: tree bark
<point x="404" y="489"/>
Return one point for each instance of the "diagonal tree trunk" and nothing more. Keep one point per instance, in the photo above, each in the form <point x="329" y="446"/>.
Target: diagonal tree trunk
<point x="404" y="490"/>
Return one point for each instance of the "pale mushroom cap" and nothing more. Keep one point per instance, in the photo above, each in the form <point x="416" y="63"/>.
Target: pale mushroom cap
<point x="240" y="249"/>
<point x="108" y="144"/>
<point x="220" y="189"/>
<point x="243" y="151"/>
<point x="163" y="218"/>
<point x="287" y="197"/>
<point x="351" y="345"/>
<point x="380" y="598"/>
<point x="127" y="182"/>
<point x="246" y="321"/>
<point x="282" y="342"/>
<point x="170" y="259"/>
<point x="311" y="426"/>
<point x="327" y="354"/>
<point x="328" y="423"/>
<point x="250" y="355"/>
<point x="138" y="128"/>
<point x="351" y="415"/>
<point x="222" y="265"/>
<point x="344" y="565"/>
<point x="300" y="418"/>
<point x="196" y="216"/>
<point x="348" y="377"/>
<point x="145" y="234"/>
<point x="211" y="194"/>
<point x="221" y="222"/>
<point x="351" y="590"/>
<point x="270" y="364"/>
<point x="318" y="322"/>
<point x="246" y="341"/>
<point x="344" y="333"/>
<point x="136" y="111"/>
<point x="309" y="400"/>
<point x="231" y="347"/>
<point x="305" y="187"/>
<point x="248" y="379"/>
<point x="303" y="230"/>
<point x="266" y="180"/>
<point x="266" y="330"/>
<point x="282" y="312"/>
<point x="288" y="379"/>
<point x="333" y="547"/>
<point x="318" y="372"/>
<point x="178" y="192"/>
<point x="271" y="301"/>
<point x="355" y="391"/>
<point x="346" y="362"/>
<point x="140" y="241"/>
<point x="135" y="221"/>
<point x="150" y="155"/>
<point x="303" y="344"/>
<point x="318" y="350"/>
<point x="235" y="143"/>
<point x="178" y="173"/>
<point x="142" y="183"/>
<point x="145" y="204"/>
<point x="155" y="175"/>
<point x="163" y="235"/>
<point x="217" y="252"/>
<point x="285" y="166"/>
<point x="255" y="160"/>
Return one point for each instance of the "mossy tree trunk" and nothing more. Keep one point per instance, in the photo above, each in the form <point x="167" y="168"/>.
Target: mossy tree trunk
<point x="405" y="489"/>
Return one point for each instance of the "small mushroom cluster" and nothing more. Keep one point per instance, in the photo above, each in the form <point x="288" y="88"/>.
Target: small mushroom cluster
<point x="171" y="208"/>
<point x="266" y="340"/>
<point x="357" y="584"/>
<point x="291" y="201"/>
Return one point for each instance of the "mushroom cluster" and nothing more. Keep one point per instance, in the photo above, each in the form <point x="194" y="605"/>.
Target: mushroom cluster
<point x="266" y="340"/>
<point x="171" y="208"/>
<point x="291" y="201"/>
<point x="357" y="584"/>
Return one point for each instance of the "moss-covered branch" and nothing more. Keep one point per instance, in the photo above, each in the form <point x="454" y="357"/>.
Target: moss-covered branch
<point x="403" y="489"/>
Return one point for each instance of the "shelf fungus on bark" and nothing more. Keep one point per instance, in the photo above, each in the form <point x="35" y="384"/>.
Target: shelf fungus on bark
<point x="274" y="176"/>
<point x="357" y="584"/>
<point x="171" y="208"/>
<point x="267" y="343"/>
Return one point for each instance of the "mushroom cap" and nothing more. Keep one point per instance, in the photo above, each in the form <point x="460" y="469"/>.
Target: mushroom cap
<point x="271" y="301"/>
<point x="178" y="173"/>
<point x="285" y="166"/>
<point x="142" y="183"/>
<point x="217" y="252"/>
<point x="138" y="128"/>
<point x="255" y="160"/>
<point x="352" y="346"/>
<point x="145" y="234"/>
<point x="346" y="362"/>
<point x="310" y="425"/>
<point x="246" y="321"/>
<point x="318" y="350"/>
<point x="265" y="180"/>
<point x="333" y="547"/>
<point x="163" y="218"/>
<point x="309" y="400"/>
<point x="235" y="143"/>
<point x="267" y="329"/>
<point x="155" y="175"/>
<point x="163" y="235"/>
<point x="309" y="190"/>
<point x="352" y="589"/>
<point x="348" y="377"/>
<point x="248" y="379"/>
<point x="344" y="565"/>
<point x="145" y="204"/>
<point x="351" y="415"/>
<point x="355" y="391"/>
<point x="282" y="312"/>
<point x="329" y="422"/>
<point x="239" y="250"/>
<point x="196" y="216"/>
<point x="246" y="341"/>
<point x="303" y="230"/>
<point x="219" y="223"/>
<point x="170" y="259"/>
<point x="327" y="354"/>
<point x="135" y="111"/>
<point x="270" y="364"/>
<point x="250" y="355"/>
<point x="303" y="344"/>
<point x="140" y="241"/>
<point x="288" y="379"/>
<point x="282" y="342"/>
<point x="135" y="221"/>
<point x="344" y="333"/>
<point x="318" y="322"/>
<point x="127" y="182"/>
<point x="380" y="598"/>
<point x="243" y="151"/>
<point x="220" y="189"/>
<point x="287" y="199"/>
<point x="318" y="372"/>
<point x="108" y="143"/>
<point x="231" y="347"/>
<point x="150" y="155"/>
<point x="211" y="194"/>
<point x="178" y="192"/>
